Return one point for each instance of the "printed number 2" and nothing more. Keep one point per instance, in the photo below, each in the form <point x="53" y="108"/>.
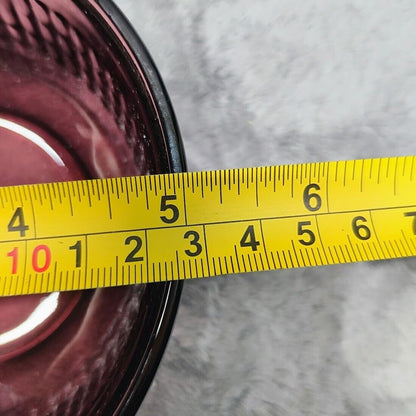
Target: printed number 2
<point x="17" y="222"/>
<point x="137" y="241"/>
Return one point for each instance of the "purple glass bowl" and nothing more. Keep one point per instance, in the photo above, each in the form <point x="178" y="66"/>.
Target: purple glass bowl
<point x="80" y="98"/>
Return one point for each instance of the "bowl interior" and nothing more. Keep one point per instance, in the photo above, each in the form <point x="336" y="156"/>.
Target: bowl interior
<point x="79" y="100"/>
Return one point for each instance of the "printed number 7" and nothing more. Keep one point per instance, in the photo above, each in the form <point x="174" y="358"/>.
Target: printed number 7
<point x="412" y="214"/>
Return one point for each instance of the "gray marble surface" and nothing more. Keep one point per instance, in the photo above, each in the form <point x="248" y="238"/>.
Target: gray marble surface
<point x="281" y="81"/>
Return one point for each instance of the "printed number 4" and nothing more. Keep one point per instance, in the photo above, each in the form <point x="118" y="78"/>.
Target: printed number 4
<point x="249" y="239"/>
<point x="17" y="222"/>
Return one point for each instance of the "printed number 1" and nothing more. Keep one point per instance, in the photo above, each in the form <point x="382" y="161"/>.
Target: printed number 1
<point x="77" y="248"/>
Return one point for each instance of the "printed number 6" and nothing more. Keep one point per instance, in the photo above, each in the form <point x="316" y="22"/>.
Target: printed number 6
<point x="312" y="200"/>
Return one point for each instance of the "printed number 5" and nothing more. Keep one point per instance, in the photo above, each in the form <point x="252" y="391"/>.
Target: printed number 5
<point x="164" y="206"/>
<point x="304" y="231"/>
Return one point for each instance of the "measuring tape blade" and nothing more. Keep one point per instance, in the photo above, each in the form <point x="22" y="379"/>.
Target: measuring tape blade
<point x="120" y="231"/>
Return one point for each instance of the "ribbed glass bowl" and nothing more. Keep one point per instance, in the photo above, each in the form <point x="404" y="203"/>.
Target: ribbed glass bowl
<point x="81" y="98"/>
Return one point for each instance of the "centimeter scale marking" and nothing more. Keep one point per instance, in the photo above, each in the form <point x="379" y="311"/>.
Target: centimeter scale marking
<point x="108" y="232"/>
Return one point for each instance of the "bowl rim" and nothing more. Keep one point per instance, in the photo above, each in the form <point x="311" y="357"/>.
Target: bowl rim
<point x="129" y="394"/>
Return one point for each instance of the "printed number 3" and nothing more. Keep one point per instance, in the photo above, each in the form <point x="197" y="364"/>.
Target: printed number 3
<point x="194" y="242"/>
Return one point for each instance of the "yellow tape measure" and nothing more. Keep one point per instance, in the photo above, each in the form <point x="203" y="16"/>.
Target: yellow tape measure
<point x="108" y="232"/>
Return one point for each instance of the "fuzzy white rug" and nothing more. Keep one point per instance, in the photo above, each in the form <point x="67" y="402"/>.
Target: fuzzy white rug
<point x="280" y="81"/>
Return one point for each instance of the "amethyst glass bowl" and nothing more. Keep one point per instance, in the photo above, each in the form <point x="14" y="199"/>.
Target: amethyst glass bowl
<point x="81" y="98"/>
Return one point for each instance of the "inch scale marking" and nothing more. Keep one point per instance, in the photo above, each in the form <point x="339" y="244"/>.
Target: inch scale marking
<point x="108" y="232"/>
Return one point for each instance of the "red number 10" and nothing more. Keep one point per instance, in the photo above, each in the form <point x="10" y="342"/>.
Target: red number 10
<point x="37" y="266"/>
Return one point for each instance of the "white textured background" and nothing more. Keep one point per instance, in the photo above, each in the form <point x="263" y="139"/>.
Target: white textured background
<point x="281" y="81"/>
